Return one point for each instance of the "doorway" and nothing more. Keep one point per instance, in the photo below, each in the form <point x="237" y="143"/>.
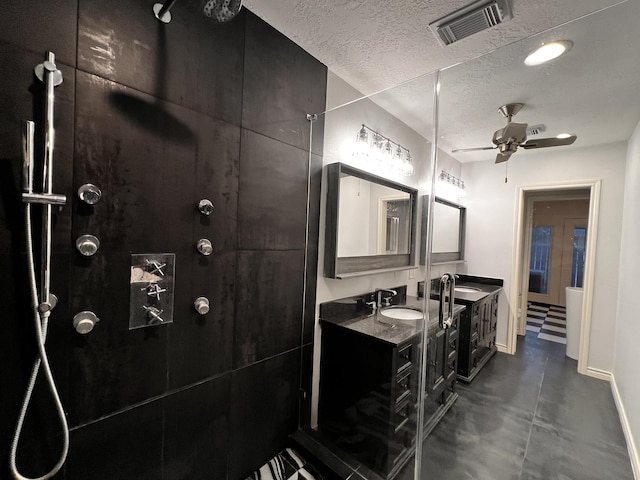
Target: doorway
<point x="588" y="192"/>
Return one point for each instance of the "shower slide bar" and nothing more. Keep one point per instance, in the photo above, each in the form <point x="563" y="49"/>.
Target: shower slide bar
<point x="41" y="306"/>
<point x="48" y="73"/>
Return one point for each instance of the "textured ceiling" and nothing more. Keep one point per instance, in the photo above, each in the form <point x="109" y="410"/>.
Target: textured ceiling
<point x="593" y="91"/>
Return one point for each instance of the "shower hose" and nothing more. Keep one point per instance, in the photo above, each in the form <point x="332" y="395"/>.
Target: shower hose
<point x="41" y="321"/>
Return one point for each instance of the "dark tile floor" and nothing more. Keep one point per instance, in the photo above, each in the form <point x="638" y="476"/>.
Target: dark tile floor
<point x="529" y="416"/>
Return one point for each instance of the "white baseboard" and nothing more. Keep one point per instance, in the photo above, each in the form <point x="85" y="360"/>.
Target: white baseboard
<point x="631" y="444"/>
<point x="502" y="348"/>
<point x="599" y="374"/>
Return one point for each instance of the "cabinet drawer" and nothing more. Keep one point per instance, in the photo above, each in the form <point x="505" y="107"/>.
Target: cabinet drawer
<point x="403" y="380"/>
<point x="402" y="418"/>
<point x="404" y="358"/>
<point x="403" y="399"/>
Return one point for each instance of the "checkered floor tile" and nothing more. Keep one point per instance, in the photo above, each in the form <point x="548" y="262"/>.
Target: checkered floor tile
<point x="548" y="321"/>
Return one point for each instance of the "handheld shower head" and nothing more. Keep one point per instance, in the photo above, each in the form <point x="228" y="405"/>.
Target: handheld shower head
<point x="222" y="10"/>
<point x="219" y="11"/>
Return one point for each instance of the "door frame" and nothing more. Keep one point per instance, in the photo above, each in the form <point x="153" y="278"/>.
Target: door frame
<point x="520" y="263"/>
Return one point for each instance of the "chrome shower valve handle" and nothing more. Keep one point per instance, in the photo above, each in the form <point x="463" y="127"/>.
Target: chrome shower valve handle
<point x="154" y="290"/>
<point x="155" y="266"/>
<point x="153" y="315"/>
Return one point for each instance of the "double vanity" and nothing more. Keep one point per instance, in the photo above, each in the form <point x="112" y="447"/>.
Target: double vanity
<point x="369" y="368"/>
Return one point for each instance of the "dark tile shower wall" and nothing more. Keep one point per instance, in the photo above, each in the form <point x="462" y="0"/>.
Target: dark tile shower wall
<point x="160" y="116"/>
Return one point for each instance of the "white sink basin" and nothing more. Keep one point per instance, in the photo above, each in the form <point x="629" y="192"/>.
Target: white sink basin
<point x="467" y="289"/>
<point x="402" y="313"/>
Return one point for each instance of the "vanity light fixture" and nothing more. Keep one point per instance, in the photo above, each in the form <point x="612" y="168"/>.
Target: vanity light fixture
<point x="563" y="135"/>
<point x="547" y="52"/>
<point x="446" y="181"/>
<point x="372" y="146"/>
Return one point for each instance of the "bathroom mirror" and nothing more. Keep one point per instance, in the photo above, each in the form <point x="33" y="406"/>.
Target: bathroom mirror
<point x="371" y="223"/>
<point x="448" y="231"/>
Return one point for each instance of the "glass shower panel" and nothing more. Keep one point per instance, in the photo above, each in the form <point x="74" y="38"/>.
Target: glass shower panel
<point x="366" y="380"/>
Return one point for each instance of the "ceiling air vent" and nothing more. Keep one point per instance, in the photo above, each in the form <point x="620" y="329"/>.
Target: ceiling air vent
<point x="471" y="19"/>
<point x="535" y="129"/>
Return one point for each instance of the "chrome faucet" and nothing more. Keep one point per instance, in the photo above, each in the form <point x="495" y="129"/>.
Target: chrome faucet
<point x="447" y="282"/>
<point x="387" y="300"/>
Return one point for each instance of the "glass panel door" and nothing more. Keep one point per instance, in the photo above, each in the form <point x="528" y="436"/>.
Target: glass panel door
<point x="541" y="243"/>
<point x="578" y="257"/>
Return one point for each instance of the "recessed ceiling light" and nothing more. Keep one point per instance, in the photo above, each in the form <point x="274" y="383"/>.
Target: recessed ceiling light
<point x="547" y="52"/>
<point x="563" y="135"/>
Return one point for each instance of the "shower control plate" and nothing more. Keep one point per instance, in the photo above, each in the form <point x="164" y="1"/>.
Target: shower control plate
<point x="151" y="289"/>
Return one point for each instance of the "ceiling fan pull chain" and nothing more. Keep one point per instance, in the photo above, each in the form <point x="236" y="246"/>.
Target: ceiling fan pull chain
<point x="506" y="169"/>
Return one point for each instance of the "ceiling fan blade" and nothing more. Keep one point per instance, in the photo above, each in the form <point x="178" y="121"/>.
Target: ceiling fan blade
<point x="475" y="149"/>
<point x="549" y="142"/>
<point x="503" y="156"/>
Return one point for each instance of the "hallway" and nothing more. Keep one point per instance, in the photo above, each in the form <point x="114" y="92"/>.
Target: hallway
<point x="530" y="416"/>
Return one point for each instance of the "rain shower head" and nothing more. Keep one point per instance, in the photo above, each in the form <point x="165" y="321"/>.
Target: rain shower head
<point x="219" y="11"/>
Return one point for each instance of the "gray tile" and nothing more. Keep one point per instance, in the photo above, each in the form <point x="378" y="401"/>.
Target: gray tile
<point x="282" y="84"/>
<point x="191" y="61"/>
<point x="558" y="454"/>
<point x="268" y="311"/>
<point x="264" y="411"/>
<point x="529" y="416"/>
<point x="41" y="25"/>
<point x="578" y="404"/>
<point x="476" y="442"/>
<point x="272" y="206"/>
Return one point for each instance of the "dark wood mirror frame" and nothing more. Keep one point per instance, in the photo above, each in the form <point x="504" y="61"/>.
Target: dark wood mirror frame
<point x="344" y="267"/>
<point x="442" y="257"/>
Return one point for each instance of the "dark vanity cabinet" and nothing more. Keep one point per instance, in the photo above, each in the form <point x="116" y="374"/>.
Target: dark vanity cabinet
<point x="442" y="357"/>
<point x="368" y="395"/>
<point x="478" y="325"/>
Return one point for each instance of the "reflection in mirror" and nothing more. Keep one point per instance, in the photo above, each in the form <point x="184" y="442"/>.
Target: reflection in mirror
<point x="448" y="231"/>
<point x="370" y="223"/>
<point x="373" y="219"/>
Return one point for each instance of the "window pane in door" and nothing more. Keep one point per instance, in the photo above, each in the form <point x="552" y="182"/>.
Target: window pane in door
<point x="577" y="268"/>
<point x="540" y="254"/>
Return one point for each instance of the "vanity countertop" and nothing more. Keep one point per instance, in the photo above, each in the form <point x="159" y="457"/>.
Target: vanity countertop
<point x="486" y="286"/>
<point x="375" y="325"/>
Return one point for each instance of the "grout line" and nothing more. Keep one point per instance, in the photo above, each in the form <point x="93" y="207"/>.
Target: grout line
<point x="535" y="410"/>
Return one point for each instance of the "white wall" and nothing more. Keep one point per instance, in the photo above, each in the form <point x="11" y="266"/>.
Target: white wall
<point x="491" y="224"/>
<point x="627" y="335"/>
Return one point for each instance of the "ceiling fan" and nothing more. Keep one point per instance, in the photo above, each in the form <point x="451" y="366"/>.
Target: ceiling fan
<point x="514" y="135"/>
